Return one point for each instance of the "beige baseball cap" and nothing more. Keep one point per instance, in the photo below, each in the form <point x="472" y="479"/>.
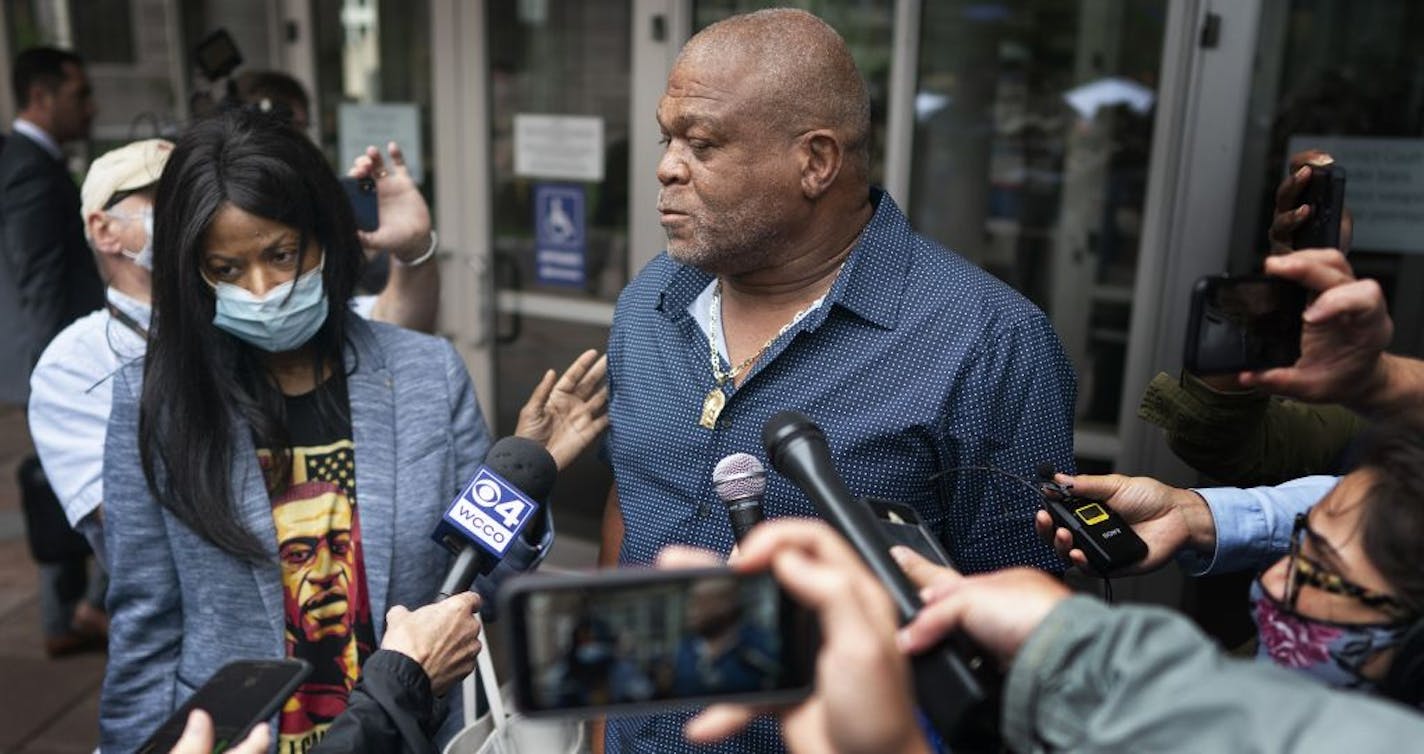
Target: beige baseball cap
<point x="130" y="167"/>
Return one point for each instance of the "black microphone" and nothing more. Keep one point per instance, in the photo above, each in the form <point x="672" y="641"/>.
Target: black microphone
<point x="740" y="482"/>
<point x="500" y="500"/>
<point x="952" y="680"/>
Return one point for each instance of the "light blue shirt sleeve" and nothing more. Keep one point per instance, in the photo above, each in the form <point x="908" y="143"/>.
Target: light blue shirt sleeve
<point x="70" y="391"/>
<point x="1253" y="526"/>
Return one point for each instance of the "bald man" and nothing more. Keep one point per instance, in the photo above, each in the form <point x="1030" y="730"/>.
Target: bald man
<point x="790" y="283"/>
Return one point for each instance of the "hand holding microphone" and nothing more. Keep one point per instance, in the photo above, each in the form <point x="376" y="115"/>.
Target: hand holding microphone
<point x="499" y="503"/>
<point x="953" y="681"/>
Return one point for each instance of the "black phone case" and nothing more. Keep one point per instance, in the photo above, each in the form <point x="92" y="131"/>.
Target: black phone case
<point x="364" y="205"/>
<point x="1325" y="193"/>
<point x="1193" y="360"/>
<point x="169" y="732"/>
<point x="894" y="513"/>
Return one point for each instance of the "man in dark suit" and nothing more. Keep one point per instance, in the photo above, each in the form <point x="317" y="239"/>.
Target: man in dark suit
<point x="48" y="279"/>
<point x="47" y="273"/>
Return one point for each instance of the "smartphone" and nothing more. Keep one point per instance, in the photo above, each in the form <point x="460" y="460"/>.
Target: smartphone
<point x="1325" y="193"/>
<point x="362" y="193"/>
<point x="1241" y="323"/>
<point x="239" y="696"/>
<point x="904" y="527"/>
<point x="217" y="55"/>
<point x="640" y="640"/>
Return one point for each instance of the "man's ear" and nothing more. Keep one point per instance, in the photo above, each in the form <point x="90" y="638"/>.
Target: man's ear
<point x="103" y="233"/>
<point x="821" y="160"/>
<point x="41" y="96"/>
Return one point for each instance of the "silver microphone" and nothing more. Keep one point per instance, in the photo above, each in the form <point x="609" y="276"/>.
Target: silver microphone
<point x="740" y="481"/>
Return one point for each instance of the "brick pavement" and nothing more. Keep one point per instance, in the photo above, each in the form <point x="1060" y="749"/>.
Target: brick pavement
<point x="52" y="706"/>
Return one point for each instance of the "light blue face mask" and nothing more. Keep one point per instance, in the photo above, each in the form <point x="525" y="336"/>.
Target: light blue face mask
<point x="144" y="256"/>
<point x="282" y="320"/>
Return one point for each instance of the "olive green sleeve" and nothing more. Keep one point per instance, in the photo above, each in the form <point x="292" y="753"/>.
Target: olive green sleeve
<point x="1247" y="438"/>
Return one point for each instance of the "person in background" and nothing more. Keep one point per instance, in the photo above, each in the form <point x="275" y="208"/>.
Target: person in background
<point x="277" y="93"/>
<point x="47" y="280"/>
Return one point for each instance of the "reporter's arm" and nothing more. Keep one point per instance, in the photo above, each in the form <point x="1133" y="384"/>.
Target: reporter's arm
<point x="391" y="709"/>
<point x="1096" y="678"/>
<point x="1245" y="437"/>
<point x="423" y="654"/>
<point x="1251" y="527"/>
<point x="1399" y="390"/>
<point x="1084" y="676"/>
<point x="411" y="298"/>
<point x="1209" y="530"/>
<point x="1168" y="519"/>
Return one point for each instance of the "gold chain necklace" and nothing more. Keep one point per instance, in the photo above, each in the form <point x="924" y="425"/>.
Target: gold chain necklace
<point x="716" y="400"/>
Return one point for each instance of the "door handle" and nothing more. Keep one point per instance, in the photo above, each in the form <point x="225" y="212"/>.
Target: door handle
<point x="508" y="277"/>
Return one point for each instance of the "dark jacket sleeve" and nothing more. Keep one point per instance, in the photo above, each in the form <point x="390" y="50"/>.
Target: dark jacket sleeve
<point x="391" y="709"/>
<point x="45" y="245"/>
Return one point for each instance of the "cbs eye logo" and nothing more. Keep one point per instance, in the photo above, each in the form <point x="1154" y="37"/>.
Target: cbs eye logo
<point x="489" y="494"/>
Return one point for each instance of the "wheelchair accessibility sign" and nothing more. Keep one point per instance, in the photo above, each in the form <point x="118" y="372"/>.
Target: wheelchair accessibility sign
<point x="491" y="511"/>
<point x="559" y="240"/>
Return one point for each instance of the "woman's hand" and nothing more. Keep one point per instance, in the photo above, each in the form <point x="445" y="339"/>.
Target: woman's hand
<point x="567" y="415"/>
<point x="405" y="217"/>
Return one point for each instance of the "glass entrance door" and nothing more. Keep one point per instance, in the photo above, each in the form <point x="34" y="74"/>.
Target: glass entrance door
<point x="1033" y="127"/>
<point x="1344" y="77"/>
<point x="559" y="87"/>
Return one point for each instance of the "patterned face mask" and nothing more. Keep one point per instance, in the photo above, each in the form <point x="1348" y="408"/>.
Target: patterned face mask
<point x="1330" y="652"/>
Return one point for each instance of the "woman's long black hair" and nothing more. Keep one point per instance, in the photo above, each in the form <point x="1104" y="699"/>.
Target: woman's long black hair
<point x="200" y="383"/>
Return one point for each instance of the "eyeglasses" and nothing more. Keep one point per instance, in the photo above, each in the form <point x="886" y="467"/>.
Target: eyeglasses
<point x="1301" y="569"/>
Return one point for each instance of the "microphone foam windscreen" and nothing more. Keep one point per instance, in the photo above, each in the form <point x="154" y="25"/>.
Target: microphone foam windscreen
<point x="739" y="476"/>
<point x="524" y="464"/>
<point x="1045" y="471"/>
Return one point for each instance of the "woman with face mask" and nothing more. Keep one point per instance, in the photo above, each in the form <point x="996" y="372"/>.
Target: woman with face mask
<point x="1340" y="604"/>
<point x="1339" y="594"/>
<point x="275" y="466"/>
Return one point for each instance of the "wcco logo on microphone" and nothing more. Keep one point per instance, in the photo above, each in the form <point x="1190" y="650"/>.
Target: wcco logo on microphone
<point x="491" y="511"/>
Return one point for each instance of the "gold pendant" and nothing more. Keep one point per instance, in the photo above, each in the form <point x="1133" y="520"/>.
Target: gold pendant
<point x="712" y="407"/>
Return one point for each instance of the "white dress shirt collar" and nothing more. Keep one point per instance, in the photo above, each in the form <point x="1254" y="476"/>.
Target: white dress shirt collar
<point x="39" y="136"/>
